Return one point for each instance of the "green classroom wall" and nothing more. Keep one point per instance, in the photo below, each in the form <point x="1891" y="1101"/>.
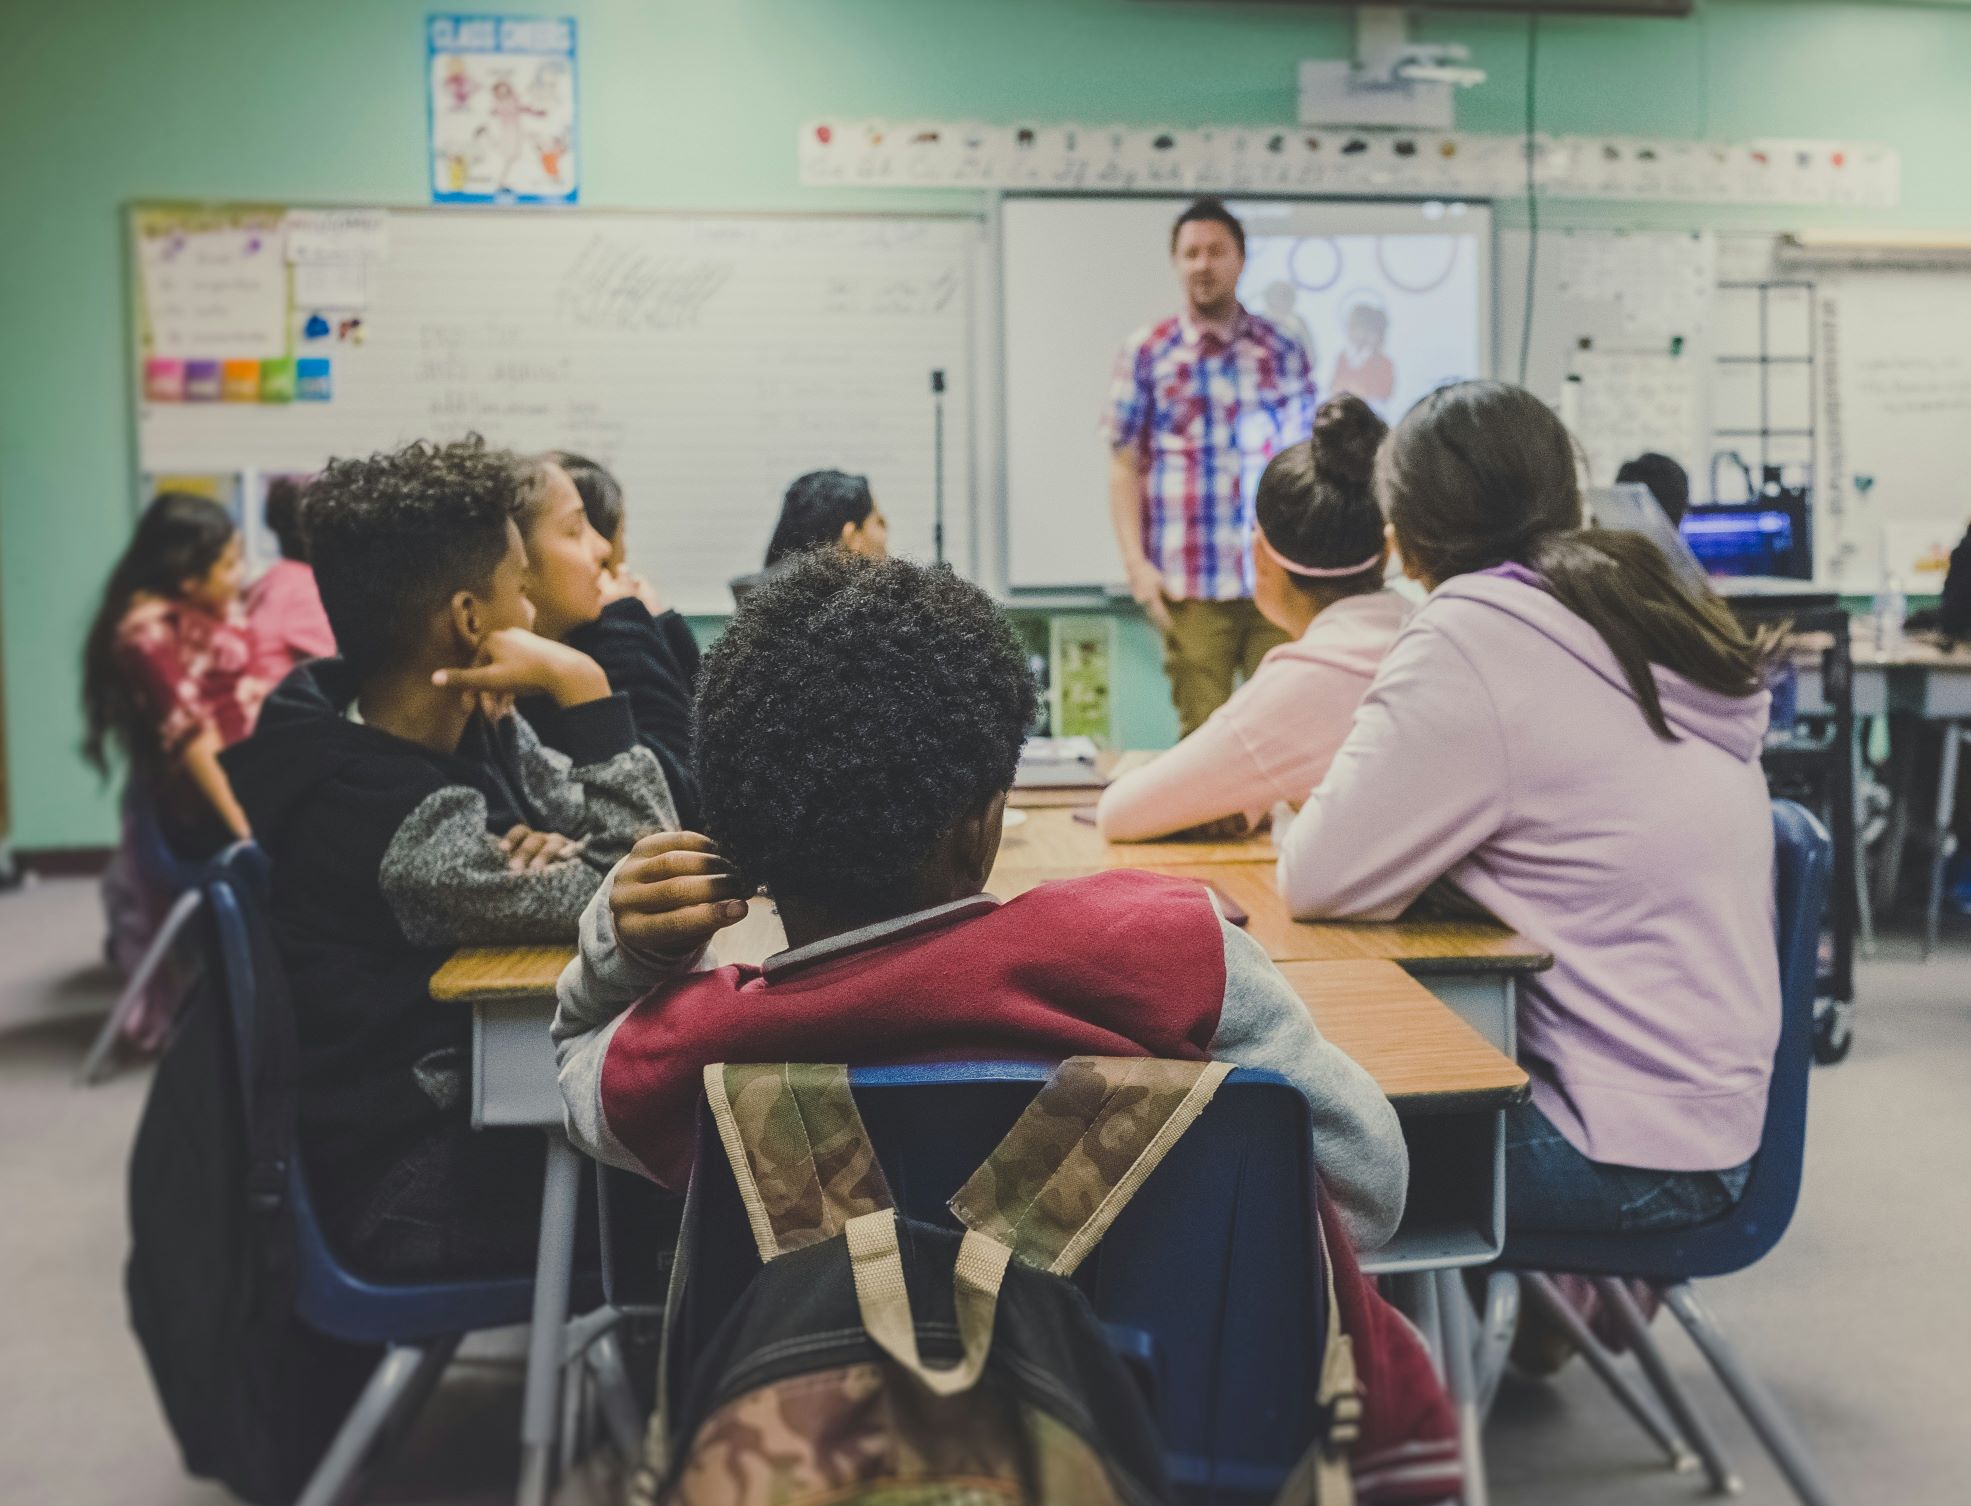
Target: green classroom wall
<point x="694" y="103"/>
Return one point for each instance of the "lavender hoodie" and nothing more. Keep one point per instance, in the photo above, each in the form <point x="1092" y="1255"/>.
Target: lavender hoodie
<point x="1500" y="746"/>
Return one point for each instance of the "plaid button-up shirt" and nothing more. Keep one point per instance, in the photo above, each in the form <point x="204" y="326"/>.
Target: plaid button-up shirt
<point x="1205" y="412"/>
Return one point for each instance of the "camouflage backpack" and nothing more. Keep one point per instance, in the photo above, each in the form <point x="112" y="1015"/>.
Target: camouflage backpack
<point x="875" y="1358"/>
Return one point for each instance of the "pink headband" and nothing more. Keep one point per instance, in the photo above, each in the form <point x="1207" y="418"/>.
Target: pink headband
<point x="1308" y="570"/>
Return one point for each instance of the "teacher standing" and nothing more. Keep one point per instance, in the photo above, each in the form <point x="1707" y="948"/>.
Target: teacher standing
<point x="1199" y="404"/>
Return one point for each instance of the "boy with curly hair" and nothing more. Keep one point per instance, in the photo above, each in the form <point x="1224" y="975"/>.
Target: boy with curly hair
<point x="858" y="729"/>
<point x="408" y="811"/>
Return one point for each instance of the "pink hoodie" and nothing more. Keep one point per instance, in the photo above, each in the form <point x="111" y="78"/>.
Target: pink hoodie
<point x="1273" y="740"/>
<point x="1500" y="746"/>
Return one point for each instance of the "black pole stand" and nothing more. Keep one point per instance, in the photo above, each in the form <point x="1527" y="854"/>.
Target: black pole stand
<point x="937" y="520"/>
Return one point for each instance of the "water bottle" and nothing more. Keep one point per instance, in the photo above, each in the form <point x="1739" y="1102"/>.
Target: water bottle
<point x="1891" y="611"/>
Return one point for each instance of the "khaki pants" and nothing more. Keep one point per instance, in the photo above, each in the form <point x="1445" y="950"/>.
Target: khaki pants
<point x="1209" y="643"/>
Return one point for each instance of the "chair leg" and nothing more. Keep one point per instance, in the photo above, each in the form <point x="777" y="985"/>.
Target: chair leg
<point x="617" y="1399"/>
<point x="183" y="908"/>
<point x="1767" y="1420"/>
<point x="1495" y="1331"/>
<point x="1942" y="843"/>
<point x="1717" y="1468"/>
<point x="540" y="1406"/>
<point x="405" y="1374"/>
<point x="1543" y="1294"/>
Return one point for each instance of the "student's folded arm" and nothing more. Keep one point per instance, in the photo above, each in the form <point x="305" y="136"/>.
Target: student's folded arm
<point x="1421" y="781"/>
<point x="446" y="880"/>
<point x="597" y="784"/>
<point x="592" y="999"/>
<point x="1358" y="1144"/>
<point x="634" y="651"/>
<point x="1209" y="775"/>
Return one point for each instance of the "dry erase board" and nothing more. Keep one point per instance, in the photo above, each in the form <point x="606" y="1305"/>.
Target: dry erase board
<point x="706" y="359"/>
<point x="1079" y="275"/>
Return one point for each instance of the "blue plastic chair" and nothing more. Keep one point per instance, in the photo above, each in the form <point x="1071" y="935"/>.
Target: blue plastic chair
<point x="1209" y="1284"/>
<point x="420" y="1323"/>
<point x="1802" y="861"/>
<point x="166" y="871"/>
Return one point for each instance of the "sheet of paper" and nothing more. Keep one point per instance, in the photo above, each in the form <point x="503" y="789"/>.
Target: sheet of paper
<point x="336" y="235"/>
<point x="213" y="291"/>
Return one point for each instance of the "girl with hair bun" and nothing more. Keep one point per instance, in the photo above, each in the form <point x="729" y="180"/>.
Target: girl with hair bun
<point x="1318" y="560"/>
<point x="1570" y="735"/>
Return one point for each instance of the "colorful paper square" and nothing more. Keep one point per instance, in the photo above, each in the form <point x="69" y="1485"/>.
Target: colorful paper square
<point x="203" y="381"/>
<point x="164" y="381"/>
<point x="311" y="379"/>
<point x="239" y="381"/>
<point x="277" y="381"/>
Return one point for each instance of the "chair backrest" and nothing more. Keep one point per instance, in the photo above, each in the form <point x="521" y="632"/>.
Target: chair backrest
<point x="329" y="1297"/>
<point x="1209" y="1280"/>
<point x="161" y="865"/>
<point x="1802" y="865"/>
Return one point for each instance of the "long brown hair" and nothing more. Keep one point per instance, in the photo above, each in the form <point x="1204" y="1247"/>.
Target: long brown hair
<point x="1481" y="474"/>
<point x="179" y="537"/>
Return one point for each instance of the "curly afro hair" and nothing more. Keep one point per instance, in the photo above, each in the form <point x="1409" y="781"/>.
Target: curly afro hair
<point x="394" y="535"/>
<point x="854" y="711"/>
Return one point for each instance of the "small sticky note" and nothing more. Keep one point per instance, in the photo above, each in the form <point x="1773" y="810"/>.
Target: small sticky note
<point x="164" y="381"/>
<point x="239" y="381"/>
<point x="277" y="381"/>
<point x="316" y="328"/>
<point x="202" y="381"/>
<point x="311" y="379"/>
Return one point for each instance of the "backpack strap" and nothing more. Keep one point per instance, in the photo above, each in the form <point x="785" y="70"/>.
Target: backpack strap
<point x="876" y="1261"/>
<point x="798" y="1150"/>
<point x="1079" y="1152"/>
<point x="1322" y="1476"/>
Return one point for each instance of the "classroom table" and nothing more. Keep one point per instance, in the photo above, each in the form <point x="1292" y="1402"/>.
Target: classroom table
<point x="1928" y="677"/>
<point x="1058" y="839"/>
<point x="1470" y="964"/>
<point x="1449" y="1083"/>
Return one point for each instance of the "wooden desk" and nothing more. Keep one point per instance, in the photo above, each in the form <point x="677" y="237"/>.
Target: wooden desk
<point x="1423" y="944"/>
<point x="1055" y="841"/>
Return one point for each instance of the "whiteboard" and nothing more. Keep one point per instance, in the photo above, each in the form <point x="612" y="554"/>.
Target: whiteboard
<point x="1896" y="404"/>
<point x="1079" y="276"/>
<point x="706" y="359"/>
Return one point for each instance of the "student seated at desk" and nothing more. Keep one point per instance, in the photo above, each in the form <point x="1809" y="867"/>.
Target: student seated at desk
<point x="1573" y="739"/>
<point x="284" y="607"/>
<point x="822" y="509"/>
<point x="859" y="726"/>
<point x="1667" y="481"/>
<point x="408" y="812"/>
<point x="1318" y="555"/>
<point x="648" y="653"/>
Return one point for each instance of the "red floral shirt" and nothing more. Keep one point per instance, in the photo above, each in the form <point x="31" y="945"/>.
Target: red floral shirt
<point x="190" y="669"/>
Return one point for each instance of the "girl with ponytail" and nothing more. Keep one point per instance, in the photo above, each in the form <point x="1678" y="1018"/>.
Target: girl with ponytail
<point x="1318" y="562"/>
<point x="1571" y="737"/>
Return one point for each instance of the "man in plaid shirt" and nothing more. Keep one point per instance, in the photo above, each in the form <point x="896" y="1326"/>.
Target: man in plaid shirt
<point x="1199" y="404"/>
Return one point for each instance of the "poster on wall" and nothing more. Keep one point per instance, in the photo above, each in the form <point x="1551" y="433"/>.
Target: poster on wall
<point x="212" y="306"/>
<point x="502" y="109"/>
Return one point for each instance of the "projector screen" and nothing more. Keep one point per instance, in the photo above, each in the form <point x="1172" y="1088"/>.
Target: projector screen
<point x="1390" y="299"/>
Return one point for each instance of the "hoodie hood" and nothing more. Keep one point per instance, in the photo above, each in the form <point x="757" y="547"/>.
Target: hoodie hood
<point x="1734" y="724"/>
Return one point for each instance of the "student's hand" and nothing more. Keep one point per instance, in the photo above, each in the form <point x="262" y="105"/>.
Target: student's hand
<point x="673" y="893"/>
<point x="514" y="662"/>
<point x="1146" y="585"/>
<point x="618" y="584"/>
<point x="529" y="851"/>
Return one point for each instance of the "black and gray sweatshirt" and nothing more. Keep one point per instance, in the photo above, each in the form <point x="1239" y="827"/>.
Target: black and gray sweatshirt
<point x="653" y="661"/>
<point x="385" y="858"/>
